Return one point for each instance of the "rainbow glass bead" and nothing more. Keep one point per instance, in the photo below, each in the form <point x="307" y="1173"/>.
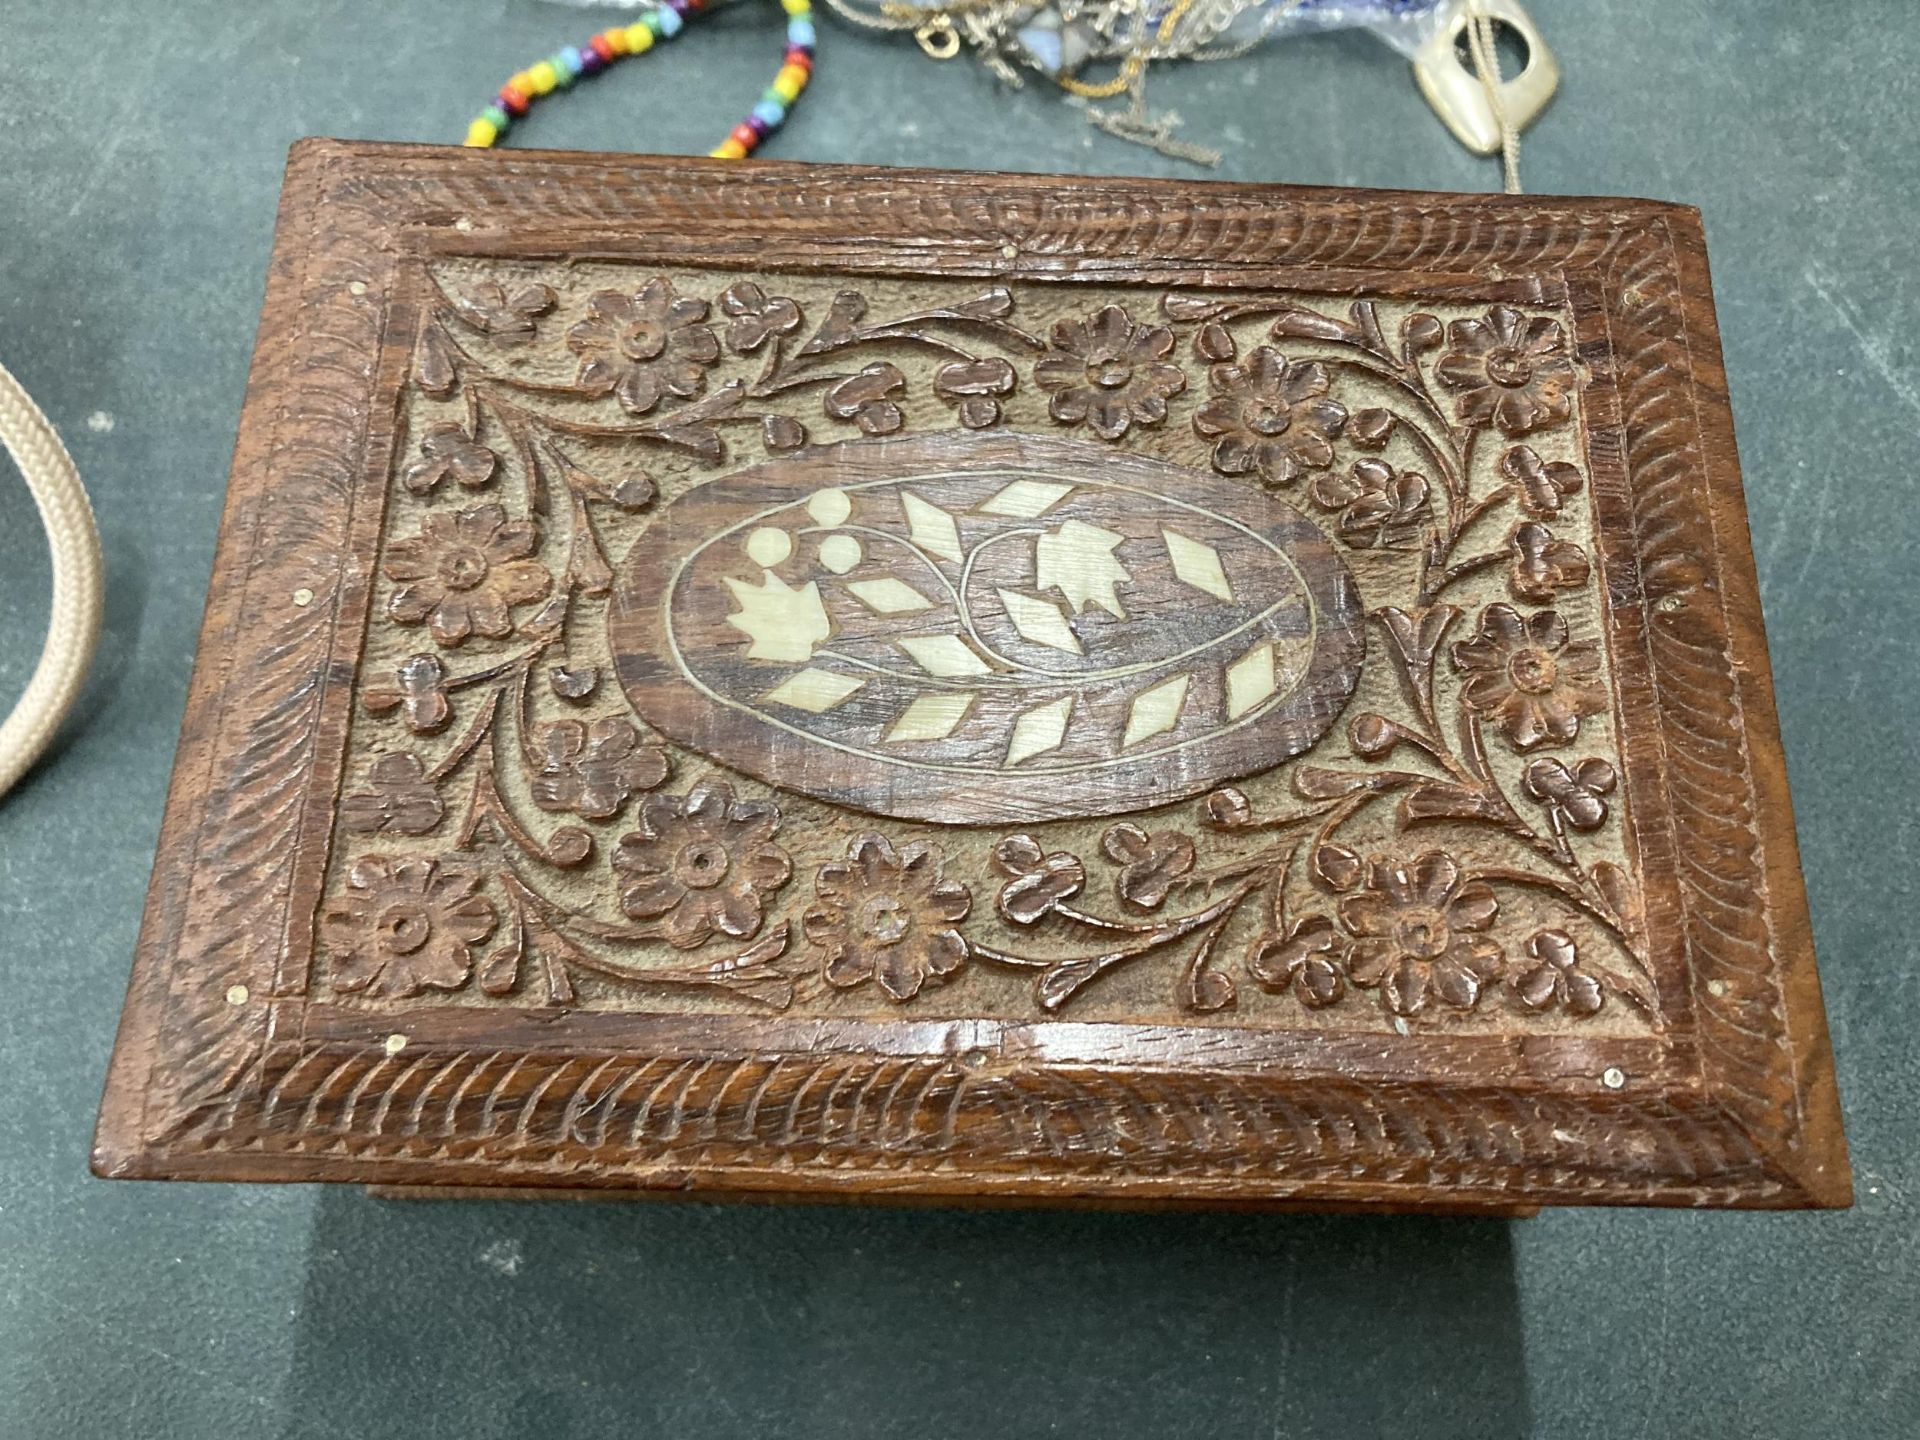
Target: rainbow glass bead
<point x="663" y="22"/>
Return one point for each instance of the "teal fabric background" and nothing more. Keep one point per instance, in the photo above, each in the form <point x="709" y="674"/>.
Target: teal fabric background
<point x="140" y="156"/>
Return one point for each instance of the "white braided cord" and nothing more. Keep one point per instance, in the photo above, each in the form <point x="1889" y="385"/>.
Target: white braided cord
<point x="77" y="589"/>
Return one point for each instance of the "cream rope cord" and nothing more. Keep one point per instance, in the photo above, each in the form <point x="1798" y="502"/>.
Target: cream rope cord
<point x="1486" y="63"/>
<point x="77" y="591"/>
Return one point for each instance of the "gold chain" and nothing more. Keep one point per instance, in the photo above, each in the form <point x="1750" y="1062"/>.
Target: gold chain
<point x="1132" y="66"/>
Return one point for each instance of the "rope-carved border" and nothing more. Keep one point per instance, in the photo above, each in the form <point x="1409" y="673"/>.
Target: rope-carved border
<point x="202" y="1086"/>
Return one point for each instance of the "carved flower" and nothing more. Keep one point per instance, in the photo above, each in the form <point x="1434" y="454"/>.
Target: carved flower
<point x="592" y="769"/>
<point x="886" y="915"/>
<point x="643" y="346"/>
<point x="401" y="800"/>
<point x="1543" y="486"/>
<point x="448" y="450"/>
<point x="977" y="387"/>
<point x="1522" y="673"/>
<point x="1377" y="505"/>
<point x="1510" y="369"/>
<point x="1576" y="795"/>
<point x="866" y="398"/>
<point x="1307" y="959"/>
<point x="756" y="316"/>
<point x="1419" y="934"/>
<point x="1555" y="980"/>
<point x="703" y="860"/>
<point x="1109" y="373"/>
<point x="1149" y="864"/>
<point x="464" y="572"/>
<point x="1037" y="881"/>
<point x="405" y="925"/>
<point x="507" y="316"/>
<point x="1270" y="416"/>
<point x="419" y="692"/>
<point x="1542" y="564"/>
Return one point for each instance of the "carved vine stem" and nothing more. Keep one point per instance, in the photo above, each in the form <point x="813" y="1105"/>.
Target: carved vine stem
<point x="1060" y="980"/>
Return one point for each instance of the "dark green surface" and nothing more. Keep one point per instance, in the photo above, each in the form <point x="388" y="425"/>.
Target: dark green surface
<point x="140" y="155"/>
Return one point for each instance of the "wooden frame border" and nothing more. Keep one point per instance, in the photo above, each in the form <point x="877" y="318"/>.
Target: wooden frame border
<point x="224" y="1071"/>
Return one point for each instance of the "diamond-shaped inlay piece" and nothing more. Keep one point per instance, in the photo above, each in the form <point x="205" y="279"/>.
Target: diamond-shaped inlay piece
<point x="932" y="528"/>
<point x="1197" y="564"/>
<point x="1078" y="561"/>
<point x="931" y="717"/>
<point x="889" y="596"/>
<point x="1040" y="621"/>
<point x="1250" y="680"/>
<point x="1026" y="499"/>
<point x="944" y="655"/>
<point x="1156" y="711"/>
<point x="814" y="691"/>
<point x="1039" y="730"/>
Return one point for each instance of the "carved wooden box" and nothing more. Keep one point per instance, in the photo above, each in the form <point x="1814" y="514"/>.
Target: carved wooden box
<point x="809" y="681"/>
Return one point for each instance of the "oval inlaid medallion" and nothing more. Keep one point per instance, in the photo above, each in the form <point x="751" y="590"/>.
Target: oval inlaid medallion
<point x="980" y="629"/>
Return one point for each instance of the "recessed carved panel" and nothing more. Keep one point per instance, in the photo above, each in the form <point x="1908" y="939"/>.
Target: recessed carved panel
<point x="1207" y="654"/>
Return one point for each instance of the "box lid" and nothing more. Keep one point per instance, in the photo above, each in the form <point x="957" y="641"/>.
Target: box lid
<point x="816" y="681"/>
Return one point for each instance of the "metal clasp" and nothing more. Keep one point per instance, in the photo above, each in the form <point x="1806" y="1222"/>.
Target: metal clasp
<point x="1453" y="87"/>
<point x="938" y="38"/>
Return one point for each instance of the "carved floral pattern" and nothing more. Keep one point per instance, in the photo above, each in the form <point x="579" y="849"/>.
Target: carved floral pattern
<point x="1527" y="675"/>
<point x="404" y="926"/>
<point x="1108" y="373"/>
<point x="1420" y="934"/>
<point x="887" y="916"/>
<point x="1309" y="959"/>
<point x="1374" y="504"/>
<point x="1544" y="486"/>
<point x="1543" y="565"/>
<point x="1149" y="864"/>
<point x="756" y="317"/>
<point x="644" y="346"/>
<point x="464" y="572"/>
<point x="448" y="451"/>
<point x="509" y="317"/>
<point x="975" y="388"/>
<point x="400" y="799"/>
<point x="1576" y="797"/>
<point x="867" y="399"/>
<point x="1509" y="368"/>
<point x="1376" y="422"/>
<point x="418" y="690"/>
<point x="1038" y="881"/>
<point x="591" y="769"/>
<point x="1555" y="980"/>
<point x="701" y="863"/>
<point x="1270" y="416"/>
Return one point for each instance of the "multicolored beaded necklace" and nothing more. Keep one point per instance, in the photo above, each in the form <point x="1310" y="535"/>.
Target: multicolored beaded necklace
<point x="571" y="63"/>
